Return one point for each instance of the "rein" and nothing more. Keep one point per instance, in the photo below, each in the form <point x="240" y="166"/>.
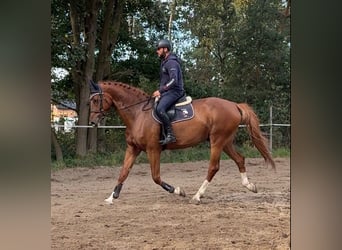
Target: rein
<point x="148" y="100"/>
<point x="143" y="108"/>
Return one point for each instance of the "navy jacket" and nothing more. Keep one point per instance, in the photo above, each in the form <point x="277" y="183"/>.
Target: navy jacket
<point x="171" y="77"/>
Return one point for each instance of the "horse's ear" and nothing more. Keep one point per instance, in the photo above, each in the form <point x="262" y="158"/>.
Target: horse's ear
<point x="94" y="88"/>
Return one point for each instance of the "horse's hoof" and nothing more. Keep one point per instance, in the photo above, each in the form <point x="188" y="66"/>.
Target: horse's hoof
<point x="195" y="201"/>
<point x="179" y="191"/>
<point x="109" y="200"/>
<point x="252" y="187"/>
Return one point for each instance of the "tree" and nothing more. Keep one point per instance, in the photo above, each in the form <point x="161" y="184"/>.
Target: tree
<point x="261" y="58"/>
<point x="241" y="51"/>
<point x="83" y="20"/>
<point x="211" y="26"/>
<point x="86" y="39"/>
<point x="109" y="31"/>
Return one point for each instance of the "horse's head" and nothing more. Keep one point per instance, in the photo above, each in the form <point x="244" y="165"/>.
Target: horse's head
<point x="99" y="102"/>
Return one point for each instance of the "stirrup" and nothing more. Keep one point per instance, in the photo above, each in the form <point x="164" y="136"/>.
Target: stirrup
<point x="168" y="139"/>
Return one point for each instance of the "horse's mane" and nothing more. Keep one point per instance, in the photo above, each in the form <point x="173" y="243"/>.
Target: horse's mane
<point x="130" y="88"/>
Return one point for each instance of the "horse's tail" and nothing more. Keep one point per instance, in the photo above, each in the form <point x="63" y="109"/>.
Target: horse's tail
<point x="250" y="119"/>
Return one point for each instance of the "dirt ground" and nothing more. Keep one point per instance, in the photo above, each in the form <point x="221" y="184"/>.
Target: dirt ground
<point x="147" y="217"/>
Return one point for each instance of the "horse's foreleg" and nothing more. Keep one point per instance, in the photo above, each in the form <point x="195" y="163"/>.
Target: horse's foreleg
<point x="154" y="158"/>
<point x="214" y="166"/>
<point x="240" y="162"/>
<point x="130" y="156"/>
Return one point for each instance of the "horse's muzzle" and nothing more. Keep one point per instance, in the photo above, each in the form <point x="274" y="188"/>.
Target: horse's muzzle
<point x="93" y="124"/>
<point x="94" y="119"/>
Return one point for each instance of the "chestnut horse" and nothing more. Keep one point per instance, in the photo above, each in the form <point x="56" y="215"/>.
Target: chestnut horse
<point x="215" y="119"/>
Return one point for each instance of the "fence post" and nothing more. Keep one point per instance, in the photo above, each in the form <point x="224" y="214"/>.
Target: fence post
<point x="271" y="126"/>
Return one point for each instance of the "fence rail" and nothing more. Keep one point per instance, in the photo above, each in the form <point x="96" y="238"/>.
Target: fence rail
<point x="119" y="126"/>
<point x="84" y="126"/>
<point x="271" y="125"/>
<point x="68" y="126"/>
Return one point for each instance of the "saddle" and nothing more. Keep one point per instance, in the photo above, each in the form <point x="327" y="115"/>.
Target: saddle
<point x="182" y="110"/>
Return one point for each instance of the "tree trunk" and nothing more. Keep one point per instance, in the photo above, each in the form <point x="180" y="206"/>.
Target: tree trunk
<point x="57" y="147"/>
<point x="105" y="48"/>
<point x="109" y="36"/>
<point x="172" y="12"/>
<point x="102" y="71"/>
<point x="101" y="138"/>
<point x="90" y="38"/>
<point x="83" y="71"/>
<point x="86" y="139"/>
<point x="81" y="139"/>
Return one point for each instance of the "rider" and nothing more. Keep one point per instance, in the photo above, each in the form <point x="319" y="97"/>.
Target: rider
<point x="171" y="86"/>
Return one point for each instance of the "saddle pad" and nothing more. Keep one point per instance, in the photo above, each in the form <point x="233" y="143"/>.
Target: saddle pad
<point x="183" y="113"/>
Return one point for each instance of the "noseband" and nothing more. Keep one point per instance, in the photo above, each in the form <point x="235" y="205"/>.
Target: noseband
<point x="101" y="111"/>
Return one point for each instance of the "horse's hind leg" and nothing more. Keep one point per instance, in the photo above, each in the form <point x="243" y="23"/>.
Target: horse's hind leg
<point x="240" y="162"/>
<point x="214" y="166"/>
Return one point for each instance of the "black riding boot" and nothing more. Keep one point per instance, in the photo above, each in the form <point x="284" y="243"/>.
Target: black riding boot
<point x="170" y="137"/>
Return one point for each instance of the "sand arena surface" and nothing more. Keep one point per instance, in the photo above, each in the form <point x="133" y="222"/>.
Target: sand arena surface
<point x="147" y="217"/>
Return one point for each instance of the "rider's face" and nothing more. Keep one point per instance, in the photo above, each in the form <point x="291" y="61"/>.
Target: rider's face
<point x="161" y="52"/>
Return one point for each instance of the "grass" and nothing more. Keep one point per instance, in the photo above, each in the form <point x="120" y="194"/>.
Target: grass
<point x="198" y="153"/>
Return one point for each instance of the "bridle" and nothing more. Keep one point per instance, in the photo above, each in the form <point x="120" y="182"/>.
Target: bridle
<point x="101" y="111"/>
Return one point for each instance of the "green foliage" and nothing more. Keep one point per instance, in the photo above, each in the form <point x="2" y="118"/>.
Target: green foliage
<point x="281" y="152"/>
<point x="197" y="153"/>
<point x="58" y="165"/>
<point x="242" y="54"/>
<point x="67" y="142"/>
<point x="142" y="64"/>
<point x="199" y="90"/>
<point x="147" y="85"/>
<point x="260" y="68"/>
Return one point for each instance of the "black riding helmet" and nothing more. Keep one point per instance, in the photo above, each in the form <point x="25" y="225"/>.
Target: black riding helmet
<point x="164" y="43"/>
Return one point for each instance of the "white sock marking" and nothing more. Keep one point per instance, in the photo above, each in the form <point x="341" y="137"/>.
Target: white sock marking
<point x="201" y="190"/>
<point x="109" y="200"/>
<point x="244" y="179"/>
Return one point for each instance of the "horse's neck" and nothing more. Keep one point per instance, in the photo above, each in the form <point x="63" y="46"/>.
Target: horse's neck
<point x="128" y="101"/>
<point x="130" y="112"/>
<point x="123" y="94"/>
